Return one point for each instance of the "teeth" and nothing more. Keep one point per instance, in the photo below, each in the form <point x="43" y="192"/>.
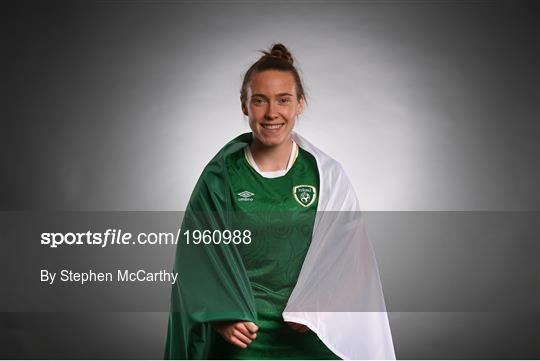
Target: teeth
<point x="272" y="126"/>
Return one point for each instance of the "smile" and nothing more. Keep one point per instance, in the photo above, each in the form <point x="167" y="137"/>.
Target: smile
<point x="272" y="126"/>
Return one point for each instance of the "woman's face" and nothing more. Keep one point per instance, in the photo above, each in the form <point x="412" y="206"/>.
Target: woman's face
<point x="272" y="106"/>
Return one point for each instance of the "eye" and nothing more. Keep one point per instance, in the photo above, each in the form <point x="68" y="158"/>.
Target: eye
<point x="257" y="101"/>
<point x="284" y="100"/>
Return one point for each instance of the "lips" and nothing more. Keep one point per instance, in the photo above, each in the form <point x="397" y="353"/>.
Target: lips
<point x="272" y="126"/>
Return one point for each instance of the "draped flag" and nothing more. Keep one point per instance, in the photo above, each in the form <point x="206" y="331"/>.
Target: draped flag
<point x="338" y="294"/>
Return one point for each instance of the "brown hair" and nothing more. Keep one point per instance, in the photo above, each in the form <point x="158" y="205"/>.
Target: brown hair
<point x="279" y="58"/>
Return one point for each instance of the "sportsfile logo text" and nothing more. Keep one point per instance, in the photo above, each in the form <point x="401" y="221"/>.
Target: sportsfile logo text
<point x="109" y="237"/>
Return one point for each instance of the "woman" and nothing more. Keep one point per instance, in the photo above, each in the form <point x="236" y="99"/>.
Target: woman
<point x="297" y="283"/>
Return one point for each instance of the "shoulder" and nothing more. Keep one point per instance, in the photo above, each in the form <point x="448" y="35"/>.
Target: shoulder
<point x="337" y="191"/>
<point x="229" y="152"/>
<point x="327" y="165"/>
<point x="306" y="158"/>
<point x="213" y="181"/>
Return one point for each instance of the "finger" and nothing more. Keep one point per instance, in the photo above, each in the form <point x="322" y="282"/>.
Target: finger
<point x="293" y="325"/>
<point x="251" y="326"/>
<point x="243" y="328"/>
<point x="298" y="327"/>
<point x="237" y="342"/>
<point x="239" y="335"/>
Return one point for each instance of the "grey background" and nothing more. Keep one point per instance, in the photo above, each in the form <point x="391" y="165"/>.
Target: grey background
<point x="430" y="106"/>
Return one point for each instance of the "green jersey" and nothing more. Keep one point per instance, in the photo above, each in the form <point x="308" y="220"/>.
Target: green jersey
<point x="280" y="213"/>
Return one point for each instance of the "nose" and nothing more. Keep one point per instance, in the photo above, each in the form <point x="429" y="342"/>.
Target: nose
<point x="271" y="111"/>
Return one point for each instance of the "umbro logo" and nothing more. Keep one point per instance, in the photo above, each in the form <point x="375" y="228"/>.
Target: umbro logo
<point x="246" y="196"/>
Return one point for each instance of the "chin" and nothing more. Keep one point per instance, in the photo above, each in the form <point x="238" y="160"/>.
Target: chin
<point x="272" y="140"/>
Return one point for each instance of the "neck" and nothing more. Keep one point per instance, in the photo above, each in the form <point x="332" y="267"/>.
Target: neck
<point x="271" y="158"/>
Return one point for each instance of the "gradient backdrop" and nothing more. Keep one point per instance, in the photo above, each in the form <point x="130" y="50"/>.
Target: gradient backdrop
<point x="430" y="106"/>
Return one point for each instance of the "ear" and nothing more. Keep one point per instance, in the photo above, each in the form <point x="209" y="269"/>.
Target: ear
<point x="301" y="104"/>
<point x="244" y="107"/>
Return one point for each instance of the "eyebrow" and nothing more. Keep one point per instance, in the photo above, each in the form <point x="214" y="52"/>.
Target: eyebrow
<point x="264" y="96"/>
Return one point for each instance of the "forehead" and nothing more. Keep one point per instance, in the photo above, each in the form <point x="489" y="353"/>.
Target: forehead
<point x="271" y="82"/>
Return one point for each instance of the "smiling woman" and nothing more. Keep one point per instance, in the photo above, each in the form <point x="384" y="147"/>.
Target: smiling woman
<point x="306" y="286"/>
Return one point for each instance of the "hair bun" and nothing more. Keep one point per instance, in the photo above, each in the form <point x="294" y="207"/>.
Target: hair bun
<point x="278" y="58"/>
<point x="280" y="51"/>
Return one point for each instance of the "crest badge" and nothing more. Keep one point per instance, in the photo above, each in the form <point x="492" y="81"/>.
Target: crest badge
<point x="304" y="194"/>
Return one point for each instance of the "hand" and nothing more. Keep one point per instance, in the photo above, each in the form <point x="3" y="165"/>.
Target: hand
<point x="298" y="327"/>
<point x="239" y="333"/>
